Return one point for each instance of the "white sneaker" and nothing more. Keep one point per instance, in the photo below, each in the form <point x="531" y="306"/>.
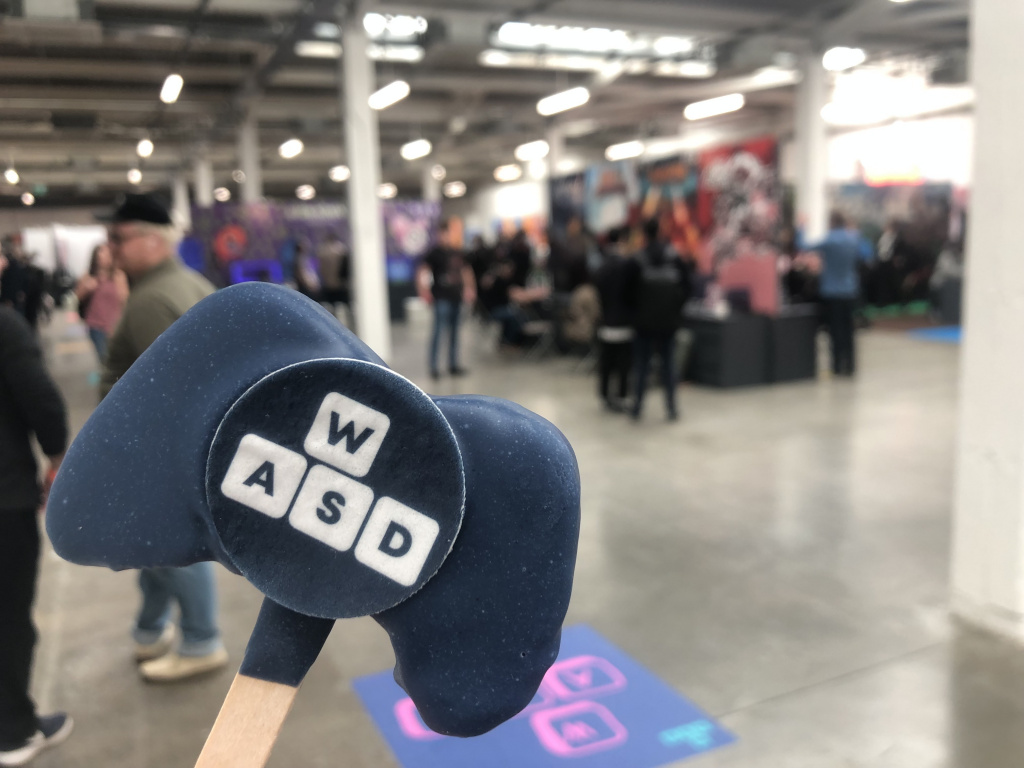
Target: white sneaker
<point x="146" y="652"/>
<point x="53" y="729"/>
<point x="173" y="666"/>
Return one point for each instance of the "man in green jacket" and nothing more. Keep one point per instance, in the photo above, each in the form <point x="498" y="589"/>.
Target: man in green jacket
<point x="144" y="242"/>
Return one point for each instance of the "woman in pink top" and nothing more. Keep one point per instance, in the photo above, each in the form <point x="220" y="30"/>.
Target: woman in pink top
<point x="101" y="297"/>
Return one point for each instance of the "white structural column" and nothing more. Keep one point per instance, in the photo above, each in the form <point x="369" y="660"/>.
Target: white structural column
<point x="812" y="147"/>
<point x="202" y="179"/>
<point x="181" y="210"/>
<point x="988" y="542"/>
<point x="556" y="150"/>
<point x="431" y="186"/>
<point x="362" y="142"/>
<point x="249" y="160"/>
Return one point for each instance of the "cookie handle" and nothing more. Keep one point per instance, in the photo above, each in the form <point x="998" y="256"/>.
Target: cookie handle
<point x="248" y="724"/>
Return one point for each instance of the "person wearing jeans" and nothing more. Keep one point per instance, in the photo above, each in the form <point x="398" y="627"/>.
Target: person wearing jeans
<point x="446" y="320"/>
<point x="445" y="280"/>
<point x="841" y="252"/>
<point x="143" y="242"/>
<point x="30" y="404"/>
<point x="193" y="588"/>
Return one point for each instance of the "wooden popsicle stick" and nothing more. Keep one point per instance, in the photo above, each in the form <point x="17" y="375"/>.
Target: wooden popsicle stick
<point x="248" y="724"/>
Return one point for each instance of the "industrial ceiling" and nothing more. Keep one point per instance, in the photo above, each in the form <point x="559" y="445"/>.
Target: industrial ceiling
<point x="80" y="79"/>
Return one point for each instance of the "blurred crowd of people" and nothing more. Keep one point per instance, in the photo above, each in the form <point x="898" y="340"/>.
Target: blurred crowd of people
<point x="25" y="287"/>
<point x="618" y="297"/>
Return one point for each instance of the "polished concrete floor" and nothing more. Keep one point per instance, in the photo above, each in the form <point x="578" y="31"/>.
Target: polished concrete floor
<point x="779" y="556"/>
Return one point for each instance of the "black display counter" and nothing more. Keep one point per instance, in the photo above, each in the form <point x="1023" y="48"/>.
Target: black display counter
<point x="793" y="344"/>
<point x="744" y="350"/>
<point x="397" y="294"/>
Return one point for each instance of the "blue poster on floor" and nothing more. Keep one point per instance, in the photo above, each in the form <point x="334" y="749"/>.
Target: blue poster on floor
<point x="597" y="708"/>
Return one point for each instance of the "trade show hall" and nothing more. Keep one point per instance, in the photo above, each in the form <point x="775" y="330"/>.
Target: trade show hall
<point x="503" y="384"/>
<point x="779" y="557"/>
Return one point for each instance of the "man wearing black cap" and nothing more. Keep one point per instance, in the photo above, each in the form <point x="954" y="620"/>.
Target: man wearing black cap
<point x="143" y="242"/>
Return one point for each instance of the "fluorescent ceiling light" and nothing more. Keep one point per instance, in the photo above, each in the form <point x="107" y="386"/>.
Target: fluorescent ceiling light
<point x="163" y="30"/>
<point x="493" y="58"/>
<point x="12" y="176"/>
<point x="327" y="30"/>
<point x="291" y="148"/>
<point x="673" y="46"/>
<point x="135" y="176"/>
<point x="387" y="191"/>
<point x="537" y="169"/>
<point x="560" y="102"/>
<point x="28" y="199"/>
<point x="454" y="189"/>
<point x="412" y="54"/>
<point x="414" y="150"/>
<point x="508" y="173"/>
<point x="339" y="173"/>
<point x="222" y="194"/>
<point x="389" y="95"/>
<point x="574" y="62"/>
<point x="305" y="192"/>
<point x="840" y="59"/>
<point x="518" y="34"/>
<point x="144" y="148"/>
<point x="438" y="173"/>
<point x="534" y="150"/>
<point x="701" y="110"/>
<point x="171" y="89"/>
<point x="776" y="76"/>
<point x="238" y="176"/>
<point x="606" y="70"/>
<point x="318" y="49"/>
<point x="624" y="151"/>
<point x="568" y="165"/>
<point x="695" y="69"/>
<point x="375" y="24"/>
<point x="400" y="27"/>
<point x="331" y="49"/>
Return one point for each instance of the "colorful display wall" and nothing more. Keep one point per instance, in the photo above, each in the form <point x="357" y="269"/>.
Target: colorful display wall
<point x="922" y="219"/>
<point x="723" y="206"/>
<point x="718" y="205"/>
<point x="227" y="236"/>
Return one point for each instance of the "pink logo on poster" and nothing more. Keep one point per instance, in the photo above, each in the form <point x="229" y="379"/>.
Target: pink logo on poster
<point x="573" y="729"/>
<point x="543" y="699"/>
<point x="584" y="676"/>
<point x="578" y="729"/>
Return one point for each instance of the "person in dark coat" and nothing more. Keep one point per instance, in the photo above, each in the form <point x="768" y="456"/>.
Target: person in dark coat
<point x="30" y="404"/>
<point x="615" y="333"/>
<point x="663" y="283"/>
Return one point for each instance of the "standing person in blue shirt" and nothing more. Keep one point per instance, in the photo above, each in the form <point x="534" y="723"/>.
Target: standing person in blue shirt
<point x="841" y="252"/>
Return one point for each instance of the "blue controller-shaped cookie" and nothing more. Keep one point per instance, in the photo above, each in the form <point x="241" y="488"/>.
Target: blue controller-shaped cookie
<point x="260" y="433"/>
